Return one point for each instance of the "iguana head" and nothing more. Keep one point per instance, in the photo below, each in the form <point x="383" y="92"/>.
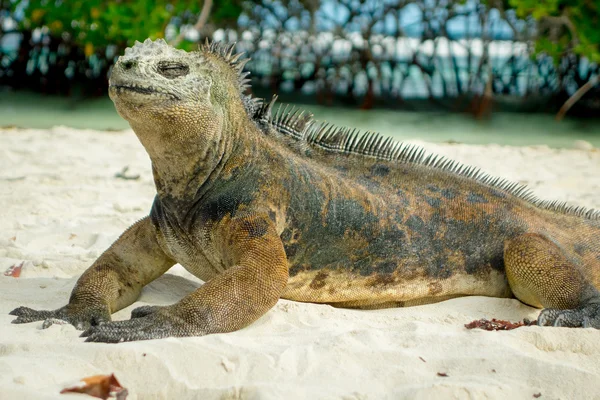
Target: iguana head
<point x="156" y="85"/>
<point x="187" y="108"/>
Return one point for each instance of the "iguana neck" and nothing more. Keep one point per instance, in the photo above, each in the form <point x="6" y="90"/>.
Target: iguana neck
<point x="182" y="162"/>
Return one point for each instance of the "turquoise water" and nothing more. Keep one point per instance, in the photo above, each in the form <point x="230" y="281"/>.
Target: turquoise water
<point x="35" y="111"/>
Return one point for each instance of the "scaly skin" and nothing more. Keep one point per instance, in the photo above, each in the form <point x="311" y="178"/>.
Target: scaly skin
<point x="260" y="208"/>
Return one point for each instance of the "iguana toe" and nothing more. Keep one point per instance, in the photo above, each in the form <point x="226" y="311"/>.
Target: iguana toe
<point x="80" y="317"/>
<point x="587" y="316"/>
<point x="143" y="311"/>
<point x="25" y="315"/>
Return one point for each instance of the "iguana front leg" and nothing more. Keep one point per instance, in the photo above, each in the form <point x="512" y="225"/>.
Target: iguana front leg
<point x="228" y="302"/>
<point x="113" y="282"/>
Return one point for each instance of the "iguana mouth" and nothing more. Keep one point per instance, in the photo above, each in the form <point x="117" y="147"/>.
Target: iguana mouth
<point x="142" y="90"/>
<point x="138" y="89"/>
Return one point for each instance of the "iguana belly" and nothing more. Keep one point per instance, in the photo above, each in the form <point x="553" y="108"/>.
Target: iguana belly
<point x="347" y="289"/>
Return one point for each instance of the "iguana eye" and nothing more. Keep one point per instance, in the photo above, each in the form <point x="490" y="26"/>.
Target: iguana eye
<point x="172" y="70"/>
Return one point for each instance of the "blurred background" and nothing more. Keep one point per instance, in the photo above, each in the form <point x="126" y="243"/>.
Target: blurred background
<point x="477" y="71"/>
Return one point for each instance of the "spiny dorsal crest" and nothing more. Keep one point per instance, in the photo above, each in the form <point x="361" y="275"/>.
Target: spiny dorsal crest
<point x="303" y="130"/>
<point x="225" y="51"/>
<point x="289" y="121"/>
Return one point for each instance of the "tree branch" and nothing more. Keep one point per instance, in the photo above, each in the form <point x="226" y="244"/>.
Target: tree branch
<point x="202" y="19"/>
<point x="576" y="97"/>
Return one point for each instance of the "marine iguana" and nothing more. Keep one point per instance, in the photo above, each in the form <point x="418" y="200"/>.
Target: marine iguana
<point x="263" y="205"/>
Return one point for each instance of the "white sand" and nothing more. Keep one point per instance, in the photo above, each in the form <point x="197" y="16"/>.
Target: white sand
<point x="61" y="206"/>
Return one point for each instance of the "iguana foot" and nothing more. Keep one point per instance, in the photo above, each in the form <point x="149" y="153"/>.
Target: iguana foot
<point x="587" y="316"/>
<point x="148" y="322"/>
<point x="81" y="317"/>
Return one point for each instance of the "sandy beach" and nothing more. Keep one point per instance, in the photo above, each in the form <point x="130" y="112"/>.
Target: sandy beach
<point x="61" y="206"/>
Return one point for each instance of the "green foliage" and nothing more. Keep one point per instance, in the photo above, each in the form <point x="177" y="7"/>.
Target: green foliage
<point x="93" y="24"/>
<point x="226" y="11"/>
<point x="564" y="26"/>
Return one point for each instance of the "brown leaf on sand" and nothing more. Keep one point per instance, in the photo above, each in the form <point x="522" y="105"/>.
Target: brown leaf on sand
<point x="100" y="386"/>
<point x="497" y="324"/>
<point x="14" y="270"/>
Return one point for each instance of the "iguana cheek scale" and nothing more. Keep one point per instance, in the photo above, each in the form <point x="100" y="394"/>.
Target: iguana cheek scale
<point x="264" y="204"/>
